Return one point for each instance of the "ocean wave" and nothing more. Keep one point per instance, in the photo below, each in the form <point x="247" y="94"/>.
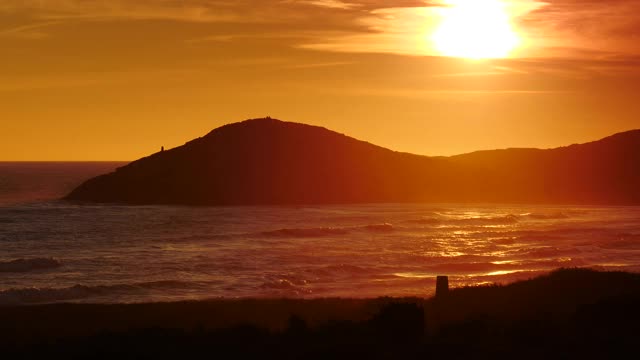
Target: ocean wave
<point x="566" y="234"/>
<point x="280" y="284"/>
<point x="305" y="232"/>
<point x="467" y="221"/>
<point x="386" y="227"/>
<point x="583" y="231"/>
<point x="623" y="242"/>
<point x="41" y="295"/>
<point x="281" y="287"/>
<point x="494" y="220"/>
<point x="555" y="263"/>
<point x="200" y="238"/>
<point x="285" y="284"/>
<point x="34" y="295"/>
<point x="325" y="231"/>
<point x="545" y="252"/>
<point x="578" y="212"/>
<point x="467" y="267"/>
<point x="470" y="268"/>
<point x="427" y="220"/>
<point x="539" y="236"/>
<point x="545" y="216"/>
<point x="30" y="264"/>
<point x="341" y="270"/>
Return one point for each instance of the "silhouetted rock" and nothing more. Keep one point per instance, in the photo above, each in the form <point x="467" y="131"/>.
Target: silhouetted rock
<point x="267" y="161"/>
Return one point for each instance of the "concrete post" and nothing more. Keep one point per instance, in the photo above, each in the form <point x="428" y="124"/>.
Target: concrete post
<point x="442" y="286"/>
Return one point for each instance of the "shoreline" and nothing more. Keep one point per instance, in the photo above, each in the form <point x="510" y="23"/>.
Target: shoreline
<point x="561" y="307"/>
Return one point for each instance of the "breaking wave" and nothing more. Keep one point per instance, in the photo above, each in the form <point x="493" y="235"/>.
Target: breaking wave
<point x="467" y="221"/>
<point x="326" y="231"/>
<point x="310" y="232"/>
<point x="26" y="265"/>
<point x="552" y="216"/>
<point x="386" y="227"/>
<point x="34" y="295"/>
<point x="496" y="220"/>
<point x="427" y="220"/>
<point x="285" y="284"/>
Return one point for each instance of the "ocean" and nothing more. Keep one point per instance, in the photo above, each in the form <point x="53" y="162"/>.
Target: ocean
<point x="54" y="251"/>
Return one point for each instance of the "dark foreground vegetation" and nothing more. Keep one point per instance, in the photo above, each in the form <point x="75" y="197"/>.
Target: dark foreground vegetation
<point x="569" y="313"/>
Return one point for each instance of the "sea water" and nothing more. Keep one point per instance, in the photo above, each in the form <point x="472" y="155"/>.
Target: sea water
<point x="55" y="251"/>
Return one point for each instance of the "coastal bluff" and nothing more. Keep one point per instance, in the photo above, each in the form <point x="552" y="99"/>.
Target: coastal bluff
<point x="272" y="162"/>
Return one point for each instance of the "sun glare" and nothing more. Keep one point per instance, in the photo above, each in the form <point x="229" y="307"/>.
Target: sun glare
<point x="475" y="29"/>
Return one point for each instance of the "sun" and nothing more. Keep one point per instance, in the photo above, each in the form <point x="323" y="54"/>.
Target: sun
<point x="475" y="29"/>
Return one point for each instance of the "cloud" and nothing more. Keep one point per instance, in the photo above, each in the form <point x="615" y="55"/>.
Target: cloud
<point x="335" y="4"/>
<point x="197" y="10"/>
<point x="31" y="31"/>
<point x="189" y="10"/>
<point x="552" y="28"/>
<point x="589" y="25"/>
<point x="308" y="21"/>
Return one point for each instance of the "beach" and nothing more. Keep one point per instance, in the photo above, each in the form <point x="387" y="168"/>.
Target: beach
<point x="569" y="312"/>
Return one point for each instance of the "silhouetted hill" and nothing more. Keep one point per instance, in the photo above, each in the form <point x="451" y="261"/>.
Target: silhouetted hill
<point x="267" y="161"/>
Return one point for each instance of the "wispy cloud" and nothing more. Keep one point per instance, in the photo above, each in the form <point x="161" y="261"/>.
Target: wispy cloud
<point x="552" y="28"/>
<point x="31" y="31"/>
<point x="198" y="10"/>
<point x="586" y="25"/>
<point x="188" y="10"/>
<point x="335" y="4"/>
<point x="319" y="65"/>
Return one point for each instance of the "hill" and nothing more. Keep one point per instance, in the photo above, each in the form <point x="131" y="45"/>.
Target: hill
<point x="271" y="162"/>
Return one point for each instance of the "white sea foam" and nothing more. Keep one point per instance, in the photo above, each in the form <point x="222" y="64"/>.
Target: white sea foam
<point x="33" y="295"/>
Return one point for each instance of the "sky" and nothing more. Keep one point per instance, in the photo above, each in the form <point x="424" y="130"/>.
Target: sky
<point x="117" y="79"/>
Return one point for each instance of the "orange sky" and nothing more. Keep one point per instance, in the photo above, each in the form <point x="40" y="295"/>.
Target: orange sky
<point x="115" y="80"/>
